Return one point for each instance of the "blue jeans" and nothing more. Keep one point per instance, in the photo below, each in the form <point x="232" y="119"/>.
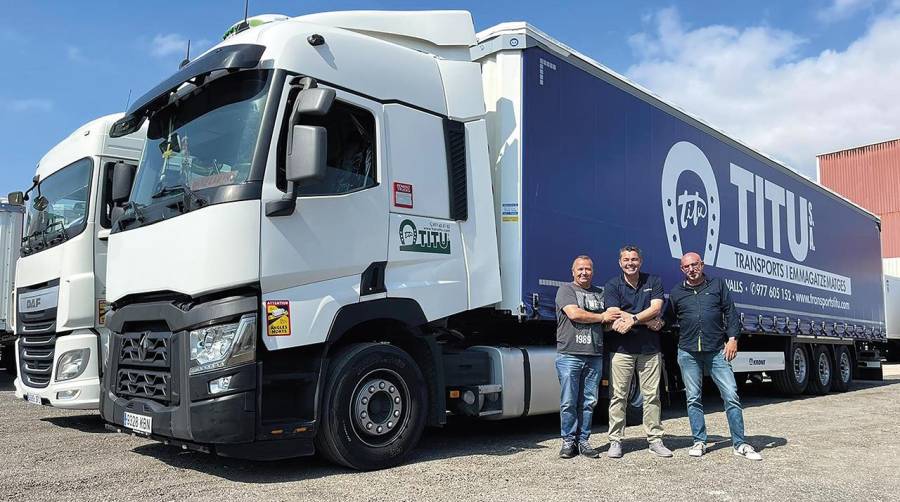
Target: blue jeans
<point x="579" y="382"/>
<point x="693" y="365"/>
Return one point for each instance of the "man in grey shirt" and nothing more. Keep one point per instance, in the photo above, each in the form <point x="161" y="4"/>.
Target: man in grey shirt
<point x="579" y="358"/>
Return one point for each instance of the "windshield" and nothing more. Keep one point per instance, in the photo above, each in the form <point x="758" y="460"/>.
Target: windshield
<point x="205" y="139"/>
<point x="65" y="215"/>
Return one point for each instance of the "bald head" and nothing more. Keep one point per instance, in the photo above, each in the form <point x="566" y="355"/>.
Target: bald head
<point x="692" y="268"/>
<point x="690" y="258"/>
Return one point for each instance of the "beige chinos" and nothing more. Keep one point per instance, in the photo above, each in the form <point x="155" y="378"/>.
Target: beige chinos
<point x="621" y="372"/>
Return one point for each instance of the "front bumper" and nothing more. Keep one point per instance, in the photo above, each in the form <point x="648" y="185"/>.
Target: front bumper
<point x="157" y="383"/>
<point x="83" y="391"/>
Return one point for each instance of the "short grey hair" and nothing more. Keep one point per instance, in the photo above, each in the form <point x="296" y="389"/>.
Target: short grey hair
<point x="582" y="257"/>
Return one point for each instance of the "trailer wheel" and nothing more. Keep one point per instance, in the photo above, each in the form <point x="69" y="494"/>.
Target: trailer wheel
<point x="373" y="407"/>
<point x="795" y="376"/>
<point x="822" y="371"/>
<point x="843" y="369"/>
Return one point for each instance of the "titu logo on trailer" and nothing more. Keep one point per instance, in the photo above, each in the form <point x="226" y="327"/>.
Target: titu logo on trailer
<point x="691" y="202"/>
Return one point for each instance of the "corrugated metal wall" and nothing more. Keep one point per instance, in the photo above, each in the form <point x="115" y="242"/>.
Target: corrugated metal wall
<point x="869" y="176"/>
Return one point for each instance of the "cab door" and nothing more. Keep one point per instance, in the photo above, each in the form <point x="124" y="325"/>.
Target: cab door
<point x="312" y="261"/>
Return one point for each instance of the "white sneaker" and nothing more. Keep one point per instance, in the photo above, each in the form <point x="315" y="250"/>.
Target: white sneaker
<point x="747" y="451"/>
<point x="698" y="449"/>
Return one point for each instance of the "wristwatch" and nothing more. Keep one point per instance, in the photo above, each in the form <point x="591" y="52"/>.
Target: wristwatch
<point x="634" y="318"/>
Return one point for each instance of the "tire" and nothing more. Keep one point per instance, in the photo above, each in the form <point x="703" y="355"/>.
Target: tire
<point x="794" y="378"/>
<point x="634" y="410"/>
<point x="822" y="371"/>
<point x="843" y="369"/>
<point x="8" y="358"/>
<point x="374" y="407"/>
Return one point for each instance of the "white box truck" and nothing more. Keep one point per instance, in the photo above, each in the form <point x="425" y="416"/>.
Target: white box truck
<point x="61" y="274"/>
<point x="347" y="225"/>
<point x="10" y="240"/>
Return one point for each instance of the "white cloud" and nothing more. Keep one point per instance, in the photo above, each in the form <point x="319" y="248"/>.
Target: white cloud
<point x="841" y="9"/>
<point x="166" y="45"/>
<point x="27" y="105"/>
<point x="752" y="84"/>
<point x="174" y="44"/>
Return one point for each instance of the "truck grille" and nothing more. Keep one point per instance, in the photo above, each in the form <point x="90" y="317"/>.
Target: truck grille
<point x="145" y="349"/>
<point x="146" y="384"/>
<point x="144" y="366"/>
<point x="36" y="359"/>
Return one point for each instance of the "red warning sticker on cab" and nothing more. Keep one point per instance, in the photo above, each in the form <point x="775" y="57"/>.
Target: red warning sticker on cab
<point x="278" y="318"/>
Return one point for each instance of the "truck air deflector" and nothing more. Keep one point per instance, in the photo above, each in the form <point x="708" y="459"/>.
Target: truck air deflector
<point x="229" y="57"/>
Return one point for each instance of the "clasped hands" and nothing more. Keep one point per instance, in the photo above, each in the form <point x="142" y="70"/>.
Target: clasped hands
<point x="623" y="321"/>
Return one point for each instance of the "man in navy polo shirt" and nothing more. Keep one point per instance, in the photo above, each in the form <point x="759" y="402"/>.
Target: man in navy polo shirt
<point x="634" y="344"/>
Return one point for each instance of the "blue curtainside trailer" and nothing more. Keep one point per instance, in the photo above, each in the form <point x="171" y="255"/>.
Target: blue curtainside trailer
<point x="604" y="163"/>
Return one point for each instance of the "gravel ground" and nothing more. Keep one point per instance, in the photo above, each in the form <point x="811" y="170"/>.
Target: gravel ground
<point x="835" y="447"/>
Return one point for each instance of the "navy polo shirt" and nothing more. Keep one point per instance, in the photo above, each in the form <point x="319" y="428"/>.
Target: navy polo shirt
<point x="618" y="293"/>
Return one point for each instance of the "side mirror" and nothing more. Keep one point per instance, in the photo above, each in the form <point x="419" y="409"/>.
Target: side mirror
<point x="123" y="177"/>
<point x="307" y="153"/>
<point x="315" y="101"/>
<point x="40" y="203"/>
<point x="16" y="198"/>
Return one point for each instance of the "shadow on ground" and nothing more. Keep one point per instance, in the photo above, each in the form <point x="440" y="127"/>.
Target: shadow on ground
<point x="88" y="423"/>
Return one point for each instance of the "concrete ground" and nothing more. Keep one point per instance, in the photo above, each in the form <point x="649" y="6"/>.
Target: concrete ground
<point x="834" y="447"/>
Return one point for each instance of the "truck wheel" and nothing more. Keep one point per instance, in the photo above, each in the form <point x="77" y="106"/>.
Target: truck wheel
<point x="634" y="409"/>
<point x="373" y="407"/>
<point x="795" y="377"/>
<point x="843" y="369"/>
<point x="8" y="358"/>
<point x="822" y="371"/>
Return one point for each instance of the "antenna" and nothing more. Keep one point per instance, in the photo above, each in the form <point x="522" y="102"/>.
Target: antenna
<point x="187" y="56"/>
<point x="243" y="25"/>
<point x="128" y="100"/>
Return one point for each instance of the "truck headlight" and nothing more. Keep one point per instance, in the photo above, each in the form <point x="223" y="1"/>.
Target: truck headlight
<point x="223" y="345"/>
<point x="72" y="364"/>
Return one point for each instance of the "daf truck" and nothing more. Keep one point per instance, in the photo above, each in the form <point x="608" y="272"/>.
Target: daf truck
<point x="61" y="275"/>
<point x="10" y="237"/>
<point x="350" y="225"/>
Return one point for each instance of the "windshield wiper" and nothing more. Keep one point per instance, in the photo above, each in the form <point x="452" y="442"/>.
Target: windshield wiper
<point x="189" y="195"/>
<point x="135" y="214"/>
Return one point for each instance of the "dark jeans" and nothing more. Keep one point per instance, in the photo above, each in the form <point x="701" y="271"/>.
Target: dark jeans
<point x="579" y="382"/>
<point x="692" y="366"/>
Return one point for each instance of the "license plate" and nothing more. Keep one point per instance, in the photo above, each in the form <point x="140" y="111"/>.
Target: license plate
<point x="34" y="399"/>
<point x="139" y="423"/>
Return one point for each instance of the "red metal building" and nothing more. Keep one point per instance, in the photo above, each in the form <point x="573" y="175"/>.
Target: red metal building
<point x="869" y="176"/>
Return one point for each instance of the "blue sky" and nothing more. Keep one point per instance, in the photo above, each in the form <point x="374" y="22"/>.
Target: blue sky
<point x="792" y="78"/>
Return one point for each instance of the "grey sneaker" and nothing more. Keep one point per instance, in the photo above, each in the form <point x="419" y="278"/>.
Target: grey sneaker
<point x="568" y="450"/>
<point x="615" y="450"/>
<point x="659" y="449"/>
<point x="587" y="450"/>
<point x="697" y="450"/>
<point x="747" y="451"/>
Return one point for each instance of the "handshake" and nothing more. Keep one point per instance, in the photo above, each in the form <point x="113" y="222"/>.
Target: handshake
<point x="622" y="322"/>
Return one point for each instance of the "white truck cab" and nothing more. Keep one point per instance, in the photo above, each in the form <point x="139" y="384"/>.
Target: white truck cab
<point x="61" y="274"/>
